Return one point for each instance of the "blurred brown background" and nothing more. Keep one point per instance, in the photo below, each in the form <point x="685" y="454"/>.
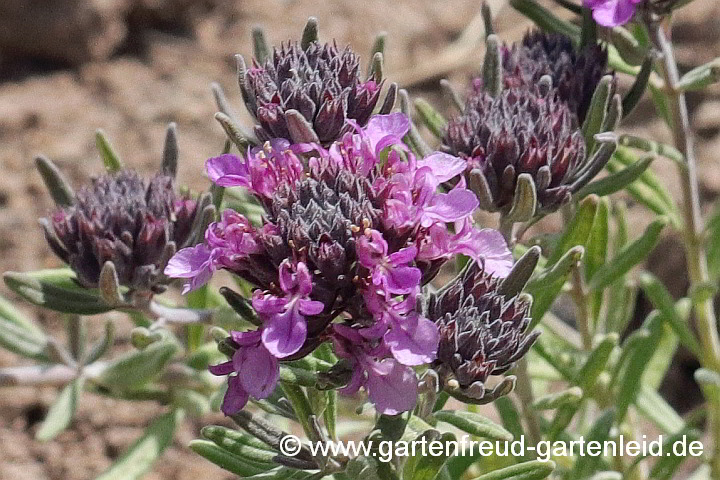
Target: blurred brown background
<point x="68" y="67"/>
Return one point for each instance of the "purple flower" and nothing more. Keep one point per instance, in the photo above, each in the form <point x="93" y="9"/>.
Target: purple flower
<point x="257" y="371"/>
<point x="285" y="329"/>
<point x="391" y="386"/>
<point x="389" y="271"/>
<point x="193" y="263"/>
<point x="611" y="13"/>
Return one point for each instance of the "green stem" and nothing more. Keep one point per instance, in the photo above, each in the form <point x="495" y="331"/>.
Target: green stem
<point x="693" y="228"/>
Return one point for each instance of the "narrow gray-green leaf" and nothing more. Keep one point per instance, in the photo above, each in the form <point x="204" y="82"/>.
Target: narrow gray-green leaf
<point x="533" y="470"/>
<point x="618" y="180"/>
<point x="428" y="467"/>
<point x="61" y="411"/>
<point x="110" y="159"/>
<point x="586" y="465"/>
<point x="57" y="290"/>
<point x="138" y="367"/>
<point x="630" y="256"/>
<point x="138" y="459"/>
<point x="474" y="424"/>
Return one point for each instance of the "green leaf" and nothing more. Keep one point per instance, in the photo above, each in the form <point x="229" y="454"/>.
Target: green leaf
<point x="140" y="456"/>
<point x="546" y="286"/>
<point x="618" y="180"/>
<point x="633" y="96"/>
<point x="509" y="415"/>
<point x="474" y="424"/>
<point x="431" y="117"/>
<point x="545" y="19"/>
<point x="20" y="340"/>
<point x="629" y="256"/>
<point x="653" y="407"/>
<point x="56" y="290"/>
<point x="600" y="431"/>
<point x="555" y="400"/>
<point x="492" y="70"/>
<point x="241" y="445"/>
<point x="662" y="104"/>
<point x="428" y="467"/>
<point x="597" y="111"/>
<point x="661" y="299"/>
<point x="637" y="354"/>
<point x="578" y="230"/>
<point x="700" y="77"/>
<point x="59" y="188"/>
<point x="11" y="314"/>
<point x="598" y="239"/>
<point x="596" y="361"/>
<point x="61" y="412"/>
<point x="534" y="470"/>
<point x="110" y="159"/>
<point x="666" y="465"/>
<point x="138" y="367"/>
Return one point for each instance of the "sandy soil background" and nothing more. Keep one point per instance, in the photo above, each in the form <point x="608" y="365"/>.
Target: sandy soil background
<point x="68" y="67"/>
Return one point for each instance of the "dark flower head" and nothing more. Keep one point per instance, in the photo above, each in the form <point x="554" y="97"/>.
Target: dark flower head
<point x="350" y="233"/>
<point x="521" y="131"/>
<point x="575" y="74"/>
<point x="320" y="82"/>
<point x="482" y="333"/>
<point x="122" y="218"/>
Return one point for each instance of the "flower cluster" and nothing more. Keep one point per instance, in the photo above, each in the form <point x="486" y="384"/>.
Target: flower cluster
<point x="133" y="223"/>
<point x="308" y="94"/>
<point x="532" y="126"/>
<point x="351" y="234"/>
<point x="482" y="333"/>
<point x="575" y="74"/>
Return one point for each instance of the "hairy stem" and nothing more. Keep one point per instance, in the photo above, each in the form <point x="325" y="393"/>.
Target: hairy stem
<point x="693" y="228"/>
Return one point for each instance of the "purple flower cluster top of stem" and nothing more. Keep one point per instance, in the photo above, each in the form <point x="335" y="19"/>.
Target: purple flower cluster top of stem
<point x="351" y="233"/>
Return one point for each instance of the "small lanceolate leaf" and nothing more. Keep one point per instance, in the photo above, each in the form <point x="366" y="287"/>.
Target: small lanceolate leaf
<point x="23" y="341"/>
<point x="701" y="77"/>
<point x="59" y="188"/>
<point x="138" y="367"/>
<point x="103" y="345"/>
<point x="233" y="131"/>
<point x="260" y="47"/>
<point x="595" y="363"/>
<point x="254" y="452"/>
<point x="597" y="111"/>
<point x="662" y="300"/>
<point x="520" y="273"/>
<point x="110" y="159"/>
<point x="431" y="117"/>
<point x="413" y="137"/>
<point x="492" y="66"/>
<point x="170" y="151"/>
<point x="629" y="256"/>
<point x="652" y="406"/>
<point x="534" y="470"/>
<point x="109" y="285"/>
<point x="637" y="354"/>
<point x="547" y="286"/>
<point x="558" y="399"/>
<point x="56" y="289"/>
<point x="597" y="243"/>
<point x="618" y="180"/>
<point x="633" y="96"/>
<point x="419" y="467"/>
<point x="140" y="456"/>
<point x="524" y="201"/>
<point x="545" y="19"/>
<point x="61" y="412"/>
<point x="310" y="33"/>
<point x="586" y="465"/>
<point x="474" y="424"/>
<point x="577" y="232"/>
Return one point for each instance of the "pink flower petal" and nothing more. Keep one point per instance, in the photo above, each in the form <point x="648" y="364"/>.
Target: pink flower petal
<point x="227" y="171"/>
